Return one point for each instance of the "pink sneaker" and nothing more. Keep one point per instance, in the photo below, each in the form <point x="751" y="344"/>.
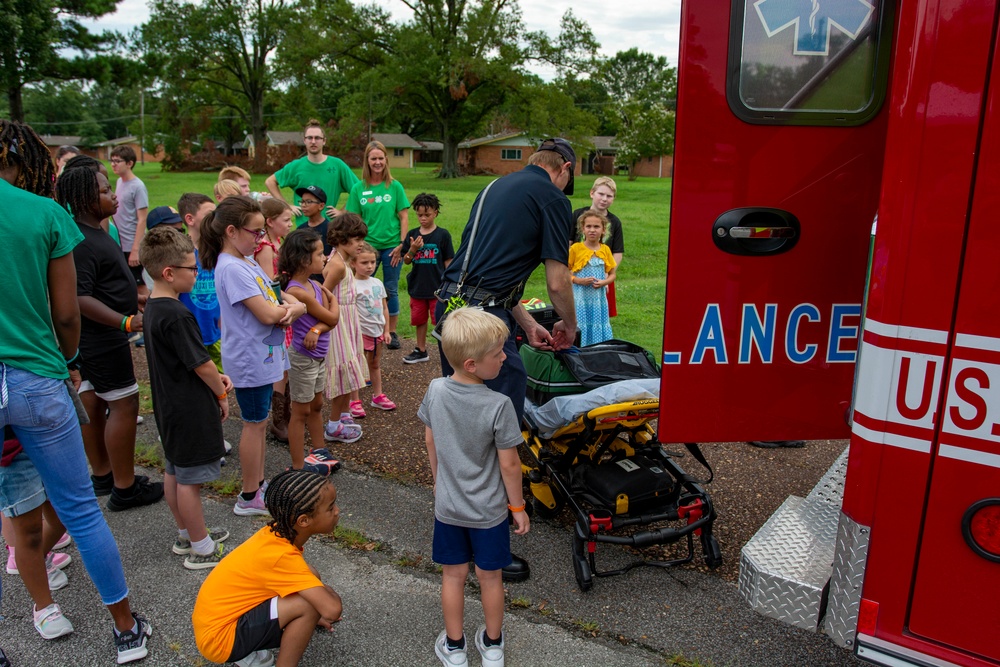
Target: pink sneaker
<point x="382" y="401"/>
<point x="63" y="542"/>
<point x="53" y="561"/>
<point x="358" y="410"/>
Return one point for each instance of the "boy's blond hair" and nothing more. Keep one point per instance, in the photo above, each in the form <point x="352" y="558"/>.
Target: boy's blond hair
<point x="232" y="173"/>
<point x="471" y="333"/>
<point x="606" y="181"/>
<point x="162" y="247"/>
<point x="593" y="213"/>
<point x="226" y="188"/>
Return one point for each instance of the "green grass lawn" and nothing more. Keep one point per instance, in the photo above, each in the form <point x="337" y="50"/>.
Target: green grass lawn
<point x="642" y="205"/>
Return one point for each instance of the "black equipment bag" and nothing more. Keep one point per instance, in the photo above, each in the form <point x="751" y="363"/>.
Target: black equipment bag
<point x="631" y="485"/>
<point x="611" y="361"/>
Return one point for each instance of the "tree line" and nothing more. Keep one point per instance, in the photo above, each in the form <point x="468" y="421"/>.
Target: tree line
<point x="222" y="69"/>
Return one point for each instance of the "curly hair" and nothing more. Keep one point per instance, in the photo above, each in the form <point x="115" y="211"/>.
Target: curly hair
<point x="21" y="146"/>
<point x="291" y="494"/>
<point x="345" y="227"/>
<point x="296" y="253"/>
<point x="426" y="200"/>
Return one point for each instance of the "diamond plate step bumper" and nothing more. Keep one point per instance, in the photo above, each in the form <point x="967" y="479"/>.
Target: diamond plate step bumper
<point x="785" y="568"/>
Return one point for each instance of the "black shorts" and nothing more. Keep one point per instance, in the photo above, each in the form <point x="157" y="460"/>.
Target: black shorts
<point x="256" y="631"/>
<point x="136" y="271"/>
<point x="108" y="369"/>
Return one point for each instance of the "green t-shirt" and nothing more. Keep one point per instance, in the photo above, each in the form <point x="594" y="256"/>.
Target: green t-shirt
<point x="332" y="175"/>
<point x="40" y="230"/>
<point x="379" y="207"/>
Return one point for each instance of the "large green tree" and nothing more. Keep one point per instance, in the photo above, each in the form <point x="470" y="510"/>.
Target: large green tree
<point x="221" y="45"/>
<point x="642" y="91"/>
<point x="457" y="61"/>
<point x="35" y="36"/>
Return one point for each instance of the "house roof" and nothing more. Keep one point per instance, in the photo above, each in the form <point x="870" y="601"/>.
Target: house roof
<point x="60" y="140"/>
<point x="120" y="141"/>
<point x="397" y="140"/>
<point x="278" y="138"/>
<point x="494" y="138"/>
<point x="432" y="145"/>
<point x="605" y="144"/>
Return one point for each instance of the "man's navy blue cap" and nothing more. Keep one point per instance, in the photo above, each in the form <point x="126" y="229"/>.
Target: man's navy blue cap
<point x="561" y="146"/>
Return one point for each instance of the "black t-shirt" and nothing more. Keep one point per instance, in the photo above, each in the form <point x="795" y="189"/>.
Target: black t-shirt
<point x="187" y="412"/>
<point x="615" y="239"/>
<point x="526" y="220"/>
<point x="103" y="273"/>
<point x="320" y="229"/>
<point x="428" y="264"/>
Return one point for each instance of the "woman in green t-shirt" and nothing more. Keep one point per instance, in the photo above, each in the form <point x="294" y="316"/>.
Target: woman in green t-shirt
<point x="381" y="202"/>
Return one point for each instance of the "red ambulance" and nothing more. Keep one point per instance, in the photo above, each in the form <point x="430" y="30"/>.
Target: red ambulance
<point x="799" y="122"/>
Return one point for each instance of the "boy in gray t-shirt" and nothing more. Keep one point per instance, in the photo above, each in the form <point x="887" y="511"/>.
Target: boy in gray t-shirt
<point x="472" y="437"/>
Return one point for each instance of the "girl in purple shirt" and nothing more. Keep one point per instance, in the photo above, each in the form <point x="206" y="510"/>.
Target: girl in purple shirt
<point x="301" y="256"/>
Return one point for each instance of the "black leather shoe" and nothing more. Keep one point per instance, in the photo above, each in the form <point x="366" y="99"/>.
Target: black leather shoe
<point x="518" y="570"/>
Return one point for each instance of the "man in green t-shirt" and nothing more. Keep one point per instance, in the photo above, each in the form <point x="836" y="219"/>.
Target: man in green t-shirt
<point x="314" y="168"/>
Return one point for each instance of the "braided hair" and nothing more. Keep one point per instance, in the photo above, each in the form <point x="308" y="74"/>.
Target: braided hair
<point x="296" y="252"/>
<point x="291" y="494"/>
<point x="78" y="192"/>
<point x="20" y="146"/>
<point x="85" y="162"/>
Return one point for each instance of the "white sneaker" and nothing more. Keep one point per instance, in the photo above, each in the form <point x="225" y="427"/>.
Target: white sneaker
<point x="492" y="655"/>
<point x="450" y="657"/>
<point x="51" y="623"/>
<point x="57" y="579"/>
<point x="257" y="659"/>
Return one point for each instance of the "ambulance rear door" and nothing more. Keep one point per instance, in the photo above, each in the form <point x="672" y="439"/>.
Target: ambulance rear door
<point x="779" y="146"/>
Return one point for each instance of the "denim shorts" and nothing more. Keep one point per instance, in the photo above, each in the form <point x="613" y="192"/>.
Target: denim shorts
<point x="255" y="402"/>
<point x="21" y="489"/>
<point x="488" y="547"/>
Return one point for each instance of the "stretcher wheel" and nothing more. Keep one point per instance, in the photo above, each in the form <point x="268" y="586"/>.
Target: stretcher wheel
<point x="713" y="554"/>
<point x="581" y="568"/>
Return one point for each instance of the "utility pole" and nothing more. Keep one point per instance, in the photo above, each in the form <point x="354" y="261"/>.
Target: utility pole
<point x="142" y="126"/>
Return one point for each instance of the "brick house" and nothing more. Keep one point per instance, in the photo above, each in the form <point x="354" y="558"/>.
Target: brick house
<point x="103" y="149"/>
<point x="498" y="154"/>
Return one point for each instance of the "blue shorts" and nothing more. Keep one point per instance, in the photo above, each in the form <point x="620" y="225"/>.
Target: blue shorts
<point x="21" y="489"/>
<point x="255" y="402"/>
<point x="488" y="547"/>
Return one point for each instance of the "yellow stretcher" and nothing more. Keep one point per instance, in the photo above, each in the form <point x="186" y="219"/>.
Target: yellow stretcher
<point x="622" y="486"/>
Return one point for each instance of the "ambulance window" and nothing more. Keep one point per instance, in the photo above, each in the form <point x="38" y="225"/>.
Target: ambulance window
<point x="818" y="62"/>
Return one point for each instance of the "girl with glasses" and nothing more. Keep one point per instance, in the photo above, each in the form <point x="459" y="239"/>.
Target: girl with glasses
<point x="253" y="330"/>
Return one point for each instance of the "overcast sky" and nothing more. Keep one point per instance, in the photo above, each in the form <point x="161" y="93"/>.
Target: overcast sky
<point x="650" y="25"/>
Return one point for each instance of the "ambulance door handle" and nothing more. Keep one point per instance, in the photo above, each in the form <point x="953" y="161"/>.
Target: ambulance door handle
<point x="761" y="232"/>
<point x="756" y="231"/>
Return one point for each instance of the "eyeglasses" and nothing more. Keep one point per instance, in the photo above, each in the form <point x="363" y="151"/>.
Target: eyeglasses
<point x="115" y="160"/>
<point x="315" y="139"/>
<point x="189" y="268"/>
<point x="257" y="233"/>
<point x="310" y="202"/>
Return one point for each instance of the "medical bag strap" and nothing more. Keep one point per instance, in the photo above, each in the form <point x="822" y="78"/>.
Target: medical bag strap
<point x="700" y="458"/>
<point x="472" y="234"/>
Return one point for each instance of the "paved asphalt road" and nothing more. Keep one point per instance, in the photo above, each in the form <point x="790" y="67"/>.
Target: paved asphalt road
<point x="391" y="606"/>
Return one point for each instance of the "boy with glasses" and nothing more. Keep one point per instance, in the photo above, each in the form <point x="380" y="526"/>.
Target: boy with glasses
<point x="314" y="168"/>
<point x="312" y="201"/>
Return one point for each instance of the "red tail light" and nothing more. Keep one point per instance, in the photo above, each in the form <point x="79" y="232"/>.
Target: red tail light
<point x="981" y="528"/>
